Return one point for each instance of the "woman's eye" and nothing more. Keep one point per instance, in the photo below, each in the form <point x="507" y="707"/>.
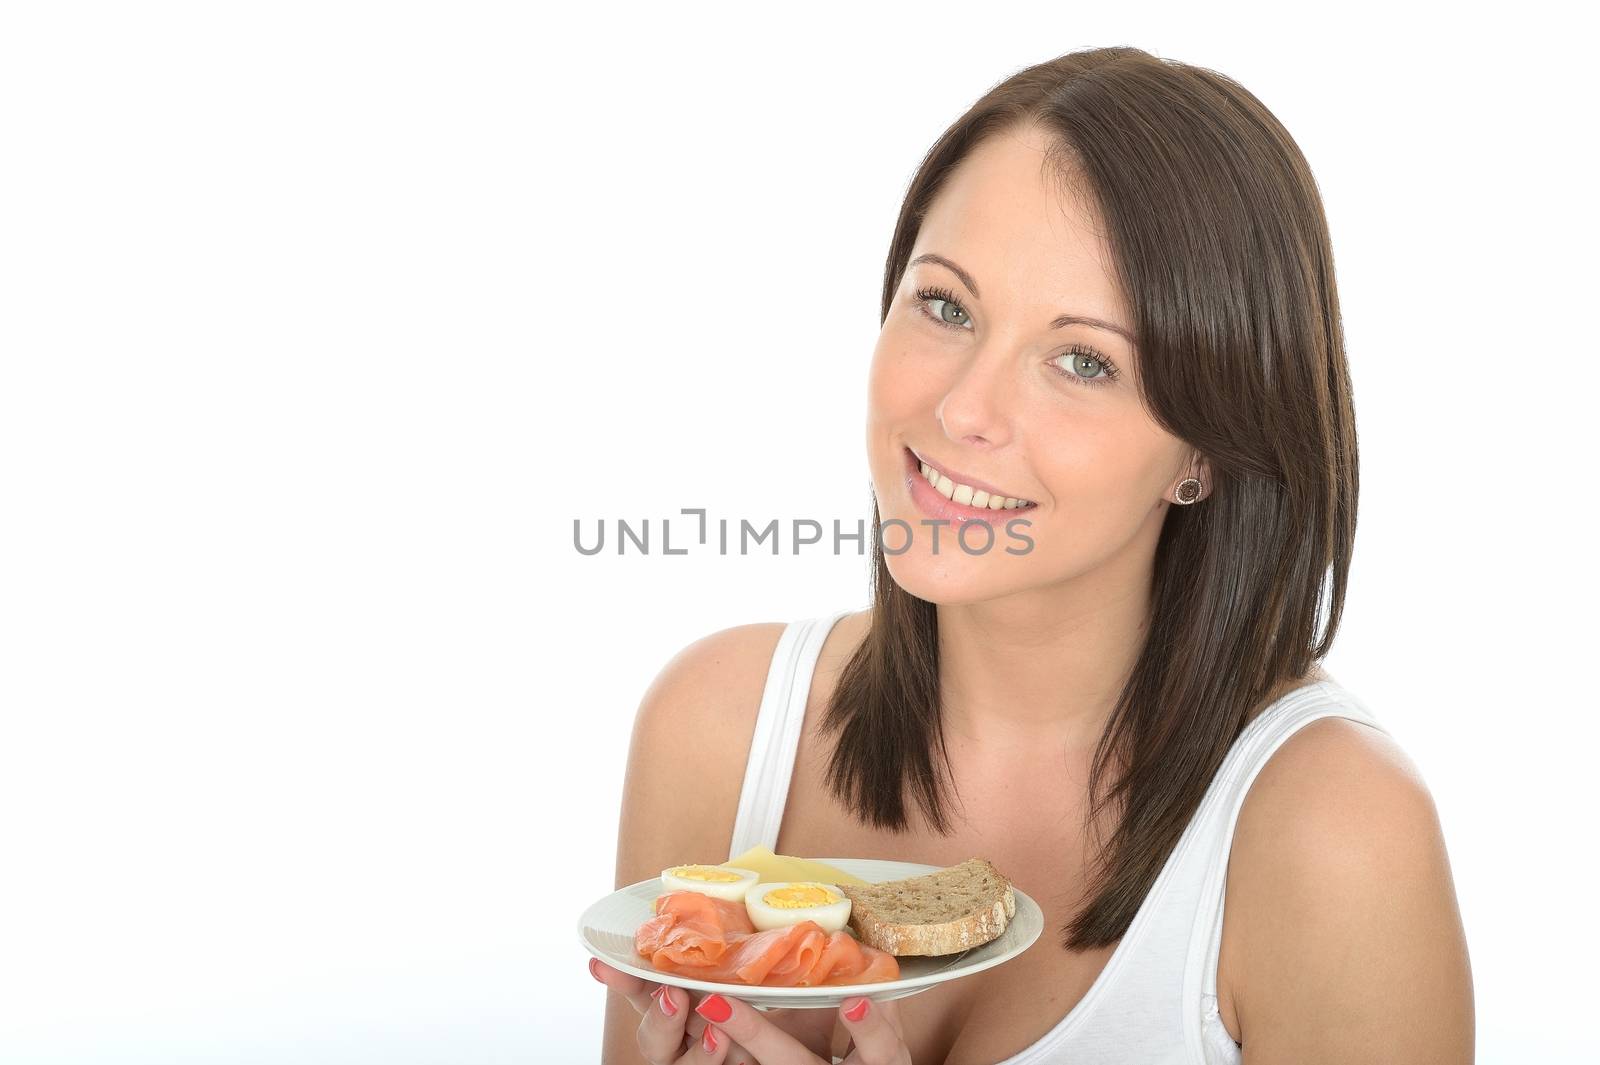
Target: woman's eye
<point x="941" y="307"/>
<point x="1084" y="366"/>
<point x="948" y="312"/>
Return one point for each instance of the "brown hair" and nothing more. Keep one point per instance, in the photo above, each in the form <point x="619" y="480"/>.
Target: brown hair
<point x="1221" y="246"/>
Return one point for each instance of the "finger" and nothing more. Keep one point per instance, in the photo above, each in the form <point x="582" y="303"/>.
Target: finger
<point x="872" y="1030"/>
<point x="733" y="1053"/>
<point x="736" y="1054"/>
<point x="661" y="1030"/>
<point x="630" y="987"/>
<point x="770" y="1044"/>
<point x="890" y="1008"/>
<point x="712" y="1048"/>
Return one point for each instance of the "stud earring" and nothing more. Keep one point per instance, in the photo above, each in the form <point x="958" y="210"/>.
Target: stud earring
<point x="1188" y="490"/>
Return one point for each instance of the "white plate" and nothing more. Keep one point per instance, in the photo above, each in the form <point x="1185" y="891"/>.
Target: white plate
<point x="607" y="930"/>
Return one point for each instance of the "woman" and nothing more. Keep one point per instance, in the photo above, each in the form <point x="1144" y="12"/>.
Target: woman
<point x="1109" y="305"/>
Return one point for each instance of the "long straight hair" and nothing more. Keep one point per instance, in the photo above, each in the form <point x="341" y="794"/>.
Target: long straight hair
<point x="1216" y="228"/>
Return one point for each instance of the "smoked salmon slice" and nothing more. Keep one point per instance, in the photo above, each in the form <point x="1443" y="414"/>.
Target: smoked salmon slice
<point x="690" y="929"/>
<point x="712" y="939"/>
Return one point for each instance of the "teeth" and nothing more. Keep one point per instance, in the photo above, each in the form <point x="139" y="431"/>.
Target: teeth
<point x="966" y="495"/>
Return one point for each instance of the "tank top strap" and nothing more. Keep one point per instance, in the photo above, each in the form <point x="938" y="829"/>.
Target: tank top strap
<point x="1249" y="754"/>
<point x="776" y="739"/>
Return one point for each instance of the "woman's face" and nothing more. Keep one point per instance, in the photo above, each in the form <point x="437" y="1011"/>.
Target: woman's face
<point x="978" y="381"/>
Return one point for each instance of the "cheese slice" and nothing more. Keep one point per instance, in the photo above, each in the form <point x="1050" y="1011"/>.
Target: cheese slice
<point x="780" y="868"/>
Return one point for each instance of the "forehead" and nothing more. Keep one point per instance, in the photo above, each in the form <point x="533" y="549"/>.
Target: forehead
<point x="1007" y="217"/>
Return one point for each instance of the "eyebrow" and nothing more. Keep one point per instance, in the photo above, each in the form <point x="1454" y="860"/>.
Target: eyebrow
<point x="1058" y="322"/>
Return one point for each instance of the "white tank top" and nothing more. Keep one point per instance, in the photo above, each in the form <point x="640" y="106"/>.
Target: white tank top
<point x="1155" y="1002"/>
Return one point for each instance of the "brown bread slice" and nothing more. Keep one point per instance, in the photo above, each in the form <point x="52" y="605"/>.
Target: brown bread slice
<point x="955" y="909"/>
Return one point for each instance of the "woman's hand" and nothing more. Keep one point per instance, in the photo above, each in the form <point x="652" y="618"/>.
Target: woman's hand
<point x="693" y="1035"/>
<point x="668" y="1038"/>
<point x="875" y="1034"/>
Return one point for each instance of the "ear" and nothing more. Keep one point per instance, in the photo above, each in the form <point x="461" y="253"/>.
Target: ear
<point x="1197" y="467"/>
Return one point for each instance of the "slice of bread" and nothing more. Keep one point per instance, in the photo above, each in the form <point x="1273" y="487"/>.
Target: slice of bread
<point x="955" y="909"/>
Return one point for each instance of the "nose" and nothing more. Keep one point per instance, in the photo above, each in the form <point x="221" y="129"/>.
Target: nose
<point x="975" y="411"/>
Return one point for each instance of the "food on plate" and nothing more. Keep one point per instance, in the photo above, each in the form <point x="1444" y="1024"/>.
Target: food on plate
<point x="782" y="904"/>
<point x="738" y="924"/>
<point x="784" y="868"/>
<point x="698" y="936"/>
<point x="718" y="881"/>
<point x="946" y="912"/>
<point x="691" y="929"/>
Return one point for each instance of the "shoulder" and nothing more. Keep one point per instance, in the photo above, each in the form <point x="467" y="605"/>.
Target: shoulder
<point x="703" y="702"/>
<point x="1327" y="771"/>
<point x="714" y="670"/>
<point x="691" y="736"/>
<point x="1348" y="934"/>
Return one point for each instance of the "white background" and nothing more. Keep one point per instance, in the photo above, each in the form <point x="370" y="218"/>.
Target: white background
<point x="322" y="323"/>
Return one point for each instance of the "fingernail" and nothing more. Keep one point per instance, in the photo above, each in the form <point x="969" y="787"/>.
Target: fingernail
<point x="594" y="969"/>
<point x="715" y="1009"/>
<point x="665" y="999"/>
<point x="858" y="1011"/>
<point x="708" y="1041"/>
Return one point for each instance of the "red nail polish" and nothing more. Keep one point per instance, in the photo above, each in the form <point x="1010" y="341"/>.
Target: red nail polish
<point x="715" y="1009"/>
<point x="594" y="969"/>
<point x="858" y="1011"/>
<point x="708" y="1041"/>
<point x="665" y="1001"/>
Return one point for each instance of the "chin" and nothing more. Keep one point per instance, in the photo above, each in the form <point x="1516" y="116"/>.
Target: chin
<point x="953" y="577"/>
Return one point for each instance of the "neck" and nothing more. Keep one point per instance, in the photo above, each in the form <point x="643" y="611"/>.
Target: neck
<point x="1043" y="666"/>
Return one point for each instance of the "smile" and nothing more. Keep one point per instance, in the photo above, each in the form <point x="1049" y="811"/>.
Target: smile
<point x="946" y="493"/>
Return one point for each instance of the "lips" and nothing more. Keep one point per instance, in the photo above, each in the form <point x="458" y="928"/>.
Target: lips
<point x="961" y="478"/>
<point x="930" y="501"/>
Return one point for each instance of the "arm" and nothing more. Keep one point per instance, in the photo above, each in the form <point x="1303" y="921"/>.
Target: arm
<point x="691" y="740"/>
<point x="1351" y="947"/>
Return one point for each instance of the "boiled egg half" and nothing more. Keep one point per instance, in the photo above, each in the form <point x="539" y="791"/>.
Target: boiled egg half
<point x="780" y="905"/>
<point x="717" y="881"/>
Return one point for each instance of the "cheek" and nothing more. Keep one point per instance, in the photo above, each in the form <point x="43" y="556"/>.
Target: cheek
<point x="1107" y="472"/>
<point x="898" y="383"/>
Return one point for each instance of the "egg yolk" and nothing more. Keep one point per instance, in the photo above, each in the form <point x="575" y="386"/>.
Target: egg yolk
<point x="795" y="898"/>
<point x="706" y="873"/>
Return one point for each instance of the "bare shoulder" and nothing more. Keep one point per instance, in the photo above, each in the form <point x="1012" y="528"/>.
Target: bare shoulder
<point x="694" y="722"/>
<point x="1352" y="752"/>
<point x="1347" y="942"/>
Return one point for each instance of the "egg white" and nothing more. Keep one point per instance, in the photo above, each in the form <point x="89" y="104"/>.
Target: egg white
<point x="832" y="916"/>
<point x="681" y="878"/>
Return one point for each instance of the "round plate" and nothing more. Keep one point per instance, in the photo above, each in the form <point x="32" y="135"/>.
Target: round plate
<point x="607" y="930"/>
